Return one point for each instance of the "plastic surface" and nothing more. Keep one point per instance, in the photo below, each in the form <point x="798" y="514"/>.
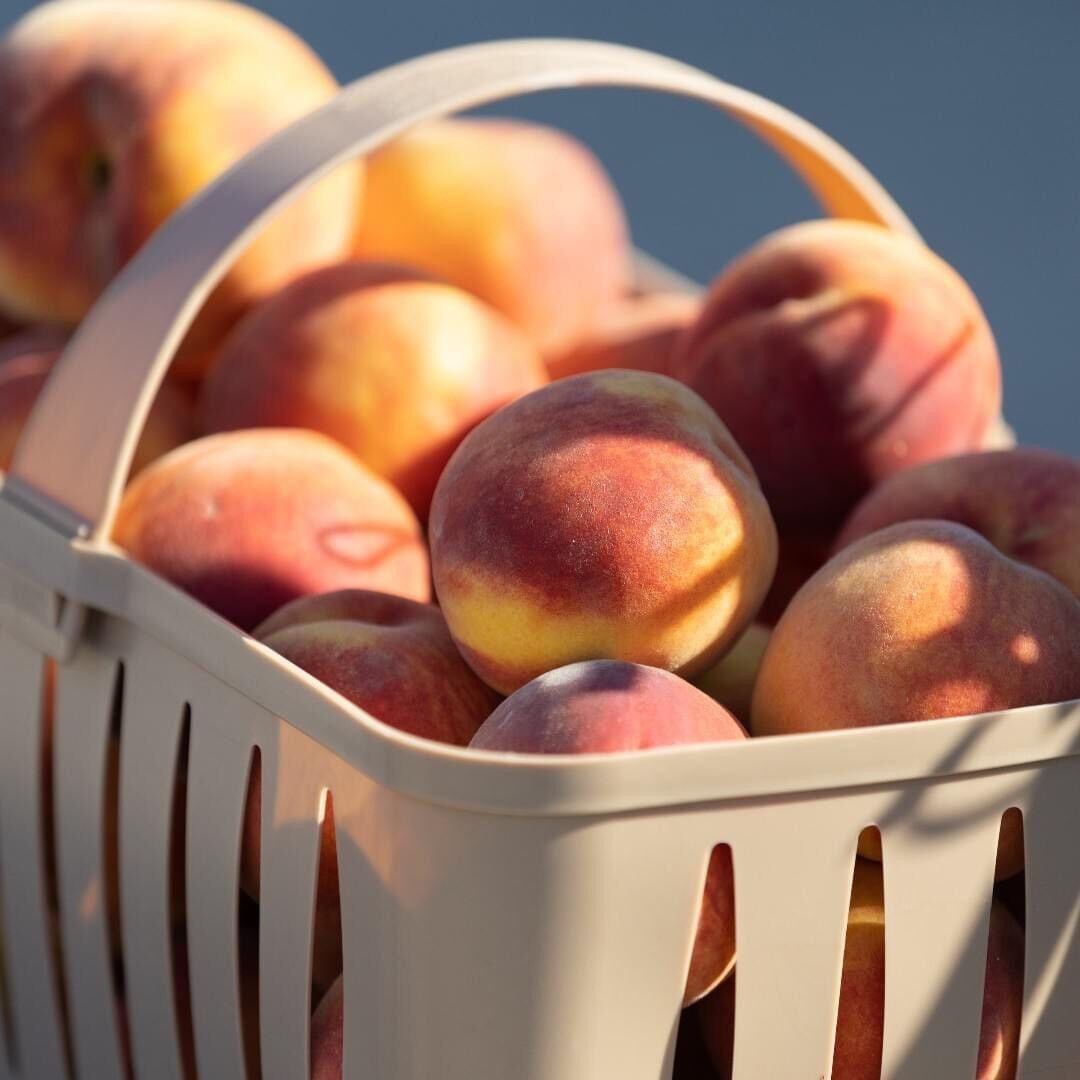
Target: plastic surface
<point x="502" y="917"/>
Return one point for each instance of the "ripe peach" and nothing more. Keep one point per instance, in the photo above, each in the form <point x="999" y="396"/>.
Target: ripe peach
<point x="249" y="520"/>
<point x="610" y="515"/>
<point x="519" y="214"/>
<point x="636" y="332"/>
<point x="838" y="353"/>
<point x="395" y="659"/>
<point x="397" y="369"/>
<point x="606" y="706"/>
<point x="1025" y="501"/>
<point x="116" y="112"/>
<point x="923" y="619"/>
<point x="25" y="362"/>
<point x="392" y="656"/>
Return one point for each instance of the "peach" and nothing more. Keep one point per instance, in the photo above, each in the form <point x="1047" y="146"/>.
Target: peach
<point x="116" y="112"/>
<point x="920" y="620"/>
<point x="636" y="332"/>
<point x="396" y="369"/>
<point x="25" y="362"/>
<point x="249" y="520"/>
<point x="608" y="515"/>
<point x="731" y="680"/>
<point x="860" y="1020"/>
<point x="395" y="659"/>
<point x="838" y="353"/>
<point x="521" y="215"/>
<point x="607" y="706"/>
<point x="1025" y="501"/>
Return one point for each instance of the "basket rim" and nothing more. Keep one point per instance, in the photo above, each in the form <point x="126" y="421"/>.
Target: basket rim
<point x="108" y="582"/>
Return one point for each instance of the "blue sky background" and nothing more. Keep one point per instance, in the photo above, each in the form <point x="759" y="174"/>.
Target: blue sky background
<point x="969" y="113"/>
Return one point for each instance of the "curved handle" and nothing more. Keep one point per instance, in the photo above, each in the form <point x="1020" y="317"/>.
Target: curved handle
<point x="76" y="449"/>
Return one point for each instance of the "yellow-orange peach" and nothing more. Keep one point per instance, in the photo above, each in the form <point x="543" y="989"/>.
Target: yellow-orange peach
<point x="249" y="520"/>
<point x="517" y="213"/>
<point x="920" y="620"/>
<point x="25" y="363"/>
<point x="636" y="332"/>
<point x="396" y="369"/>
<point x="607" y="706"/>
<point x="395" y="659"/>
<point x="838" y="353"/>
<point x="1025" y="501"/>
<point x="115" y="113"/>
<point x="608" y="515"/>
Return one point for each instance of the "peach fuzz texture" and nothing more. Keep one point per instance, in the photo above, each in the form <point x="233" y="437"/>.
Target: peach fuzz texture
<point x="608" y="515"/>
<point x="609" y="706"/>
<point x="1025" y="501"/>
<point x="115" y="113"/>
<point x="838" y="353"/>
<point x="396" y="369"/>
<point x="392" y="656"/>
<point x="921" y="620"/>
<point x="249" y="520"/>
<point x="520" y="214"/>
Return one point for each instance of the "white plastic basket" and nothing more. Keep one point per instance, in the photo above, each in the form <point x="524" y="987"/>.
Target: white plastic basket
<point x="503" y="918"/>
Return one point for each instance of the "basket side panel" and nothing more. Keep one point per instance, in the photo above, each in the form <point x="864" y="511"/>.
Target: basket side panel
<point x="36" y="1041"/>
<point x="84" y="706"/>
<point x="793" y="865"/>
<point x="1051" y="1033"/>
<point x="939" y="877"/>
<point x="294" y="778"/>
<point x="153" y="710"/>
<point x="480" y="946"/>
<point x="493" y="944"/>
<point x="218" y="768"/>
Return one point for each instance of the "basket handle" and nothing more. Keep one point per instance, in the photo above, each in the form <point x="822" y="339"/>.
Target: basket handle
<point x="76" y="449"/>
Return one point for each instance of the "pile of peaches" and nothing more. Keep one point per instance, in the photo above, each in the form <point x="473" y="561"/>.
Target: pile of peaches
<point x="429" y="443"/>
